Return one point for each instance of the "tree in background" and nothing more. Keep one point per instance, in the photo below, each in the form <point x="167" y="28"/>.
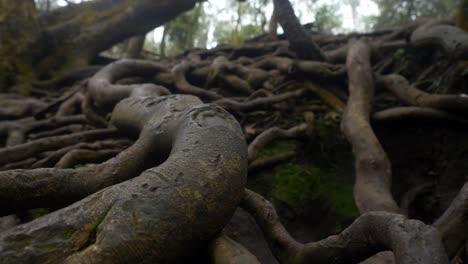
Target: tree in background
<point x="250" y="20"/>
<point x="186" y="31"/>
<point x="326" y="18"/>
<point x="395" y="13"/>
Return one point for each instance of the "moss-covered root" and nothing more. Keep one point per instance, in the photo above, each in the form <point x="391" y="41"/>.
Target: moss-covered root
<point x="411" y="241"/>
<point x="166" y="215"/>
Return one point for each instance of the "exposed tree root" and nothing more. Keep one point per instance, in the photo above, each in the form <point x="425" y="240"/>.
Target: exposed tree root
<point x="51" y="159"/>
<point x="232" y="105"/>
<point x="185" y="87"/>
<point x="15" y="106"/>
<point x="453" y="39"/>
<point x="401" y="88"/>
<point x="373" y="169"/>
<point x="418" y="114"/>
<point x="16" y="131"/>
<point x="105" y="94"/>
<point x="226" y="251"/>
<point x="83" y="156"/>
<point x="274" y="133"/>
<point x="452" y="224"/>
<point x="369" y="234"/>
<point x="91" y="230"/>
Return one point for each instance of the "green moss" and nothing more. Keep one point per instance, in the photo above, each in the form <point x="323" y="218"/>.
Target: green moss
<point x="94" y="227"/>
<point x="297" y="184"/>
<point x="278" y="147"/>
<point x="286" y="119"/>
<point x="462" y="67"/>
<point x="399" y="53"/>
<point x="79" y="165"/>
<point x="403" y="61"/>
<point x="24" y="89"/>
<point x="294" y="183"/>
<point x="320" y="174"/>
<point x="68" y="233"/>
<point x="38" y="212"/>
<point x="325" y="126"/>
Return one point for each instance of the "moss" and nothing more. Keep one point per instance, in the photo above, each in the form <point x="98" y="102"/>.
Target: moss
<point x="399" y="53"/>
<point x="321" y="174"/>
<point x="24" y="89"/>
<point x="297" y="184"/>
<point x="68" y="233"/>
<point x="462" y="67"/>
<point x="278" y="147"/>
<point x="38" y="212"/>
<point x="95" y="225"/>
<point x="286" y="119"/>
<point x="79" y="165"/>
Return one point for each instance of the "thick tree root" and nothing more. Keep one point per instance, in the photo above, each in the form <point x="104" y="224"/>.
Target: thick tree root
<point x="373" y="169"/>
<point x="140" y="219"/>
<point x="453" y="223"/>
<point x="226" y="251"/>
<point x="401" y="88"/>
<point x="104" y="94"/>
<point x="413" y="113"/>
<point x="370" y="233"/>
<point x="452" y="39"/>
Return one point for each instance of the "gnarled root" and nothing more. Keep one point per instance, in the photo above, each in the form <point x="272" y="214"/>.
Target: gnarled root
<point x="370" y="233"/>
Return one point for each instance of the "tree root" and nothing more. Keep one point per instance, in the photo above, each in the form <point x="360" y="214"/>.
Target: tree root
<point x="104" y="94"/>
<point x="452" y="224"/>
<point x="370" y="233"/>
<point x="232" y="105"/>
<point x="52" y="158"/>
<point x="401" y="88"/>
<point x="226" y="251"/>
<point x="16" y="131"/>
<point x="452" y="39"/>
<point x="373" y="170"/>
<point x="414" y="113"/>
<point x="274" y="133"/>
<point x="82" y="156"/>
<point x="161" y="199"/>
<point x="183" y="86"/>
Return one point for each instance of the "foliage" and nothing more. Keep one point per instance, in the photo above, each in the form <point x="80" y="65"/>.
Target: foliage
<point x="326" y="18"/>
<point x="400" y="12"/>
<point x="187" y="30"/>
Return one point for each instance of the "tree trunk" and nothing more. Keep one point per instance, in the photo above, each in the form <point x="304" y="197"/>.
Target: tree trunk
<point x="162" y="47"/>
<point x="135" y="46"/>
<point x="15" y="44"/>
<point x="72" y="36"/>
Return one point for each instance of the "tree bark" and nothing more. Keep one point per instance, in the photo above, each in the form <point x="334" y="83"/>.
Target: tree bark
<point x="70" y="37"/>
<point x="135" y="46"/>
